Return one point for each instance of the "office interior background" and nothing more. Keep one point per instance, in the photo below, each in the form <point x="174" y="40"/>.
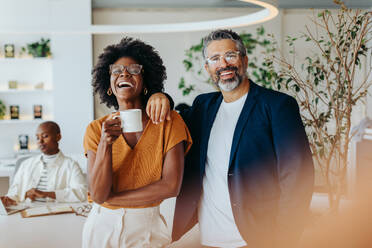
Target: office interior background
<point x="79" y="31"/>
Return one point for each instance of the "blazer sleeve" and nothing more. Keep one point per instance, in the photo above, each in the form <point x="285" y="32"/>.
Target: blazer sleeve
<point x="295" y="170"/>
<point x="76" y="188"/>
<point x="187" y="114"/>
<point x="15" y="190"/>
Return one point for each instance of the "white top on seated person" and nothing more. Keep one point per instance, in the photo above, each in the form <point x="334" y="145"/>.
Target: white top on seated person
<point x="49" y="175"/>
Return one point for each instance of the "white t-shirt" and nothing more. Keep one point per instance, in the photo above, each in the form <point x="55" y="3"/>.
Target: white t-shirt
<point x="216" y="220"/>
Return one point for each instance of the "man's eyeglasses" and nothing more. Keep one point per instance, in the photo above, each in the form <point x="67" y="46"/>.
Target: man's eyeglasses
<point x="133" y="69"/>
<point x="229" y="57"/>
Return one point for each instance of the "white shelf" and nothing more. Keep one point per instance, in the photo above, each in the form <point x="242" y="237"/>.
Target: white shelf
<point x="2" y="59"/>
<point x="22" y="121"/>
<point x="19" y="91"/>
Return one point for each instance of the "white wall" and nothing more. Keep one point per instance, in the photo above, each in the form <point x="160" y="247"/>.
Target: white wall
<point x="24" y="14"/>
<point x="73" y="101"/>
<point x="44" y="16"/>
<point x="171" y="46"/>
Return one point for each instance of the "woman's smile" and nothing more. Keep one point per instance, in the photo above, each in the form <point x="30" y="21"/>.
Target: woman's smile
<point x="123" y="84"/>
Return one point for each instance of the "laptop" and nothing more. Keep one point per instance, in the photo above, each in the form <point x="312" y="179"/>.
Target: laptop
<point x="11" y="209"/>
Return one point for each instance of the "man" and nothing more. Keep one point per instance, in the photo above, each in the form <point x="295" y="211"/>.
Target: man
<point x="248" y="177"/>
<point x="50" y="175"/>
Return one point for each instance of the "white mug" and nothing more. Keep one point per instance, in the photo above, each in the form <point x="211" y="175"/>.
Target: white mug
<point x="131" y="120"/>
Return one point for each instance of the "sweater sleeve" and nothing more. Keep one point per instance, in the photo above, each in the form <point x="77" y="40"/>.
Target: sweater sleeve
<point x="177" y="132"/>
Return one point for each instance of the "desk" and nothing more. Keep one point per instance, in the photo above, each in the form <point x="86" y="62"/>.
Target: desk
<point x="53" y="231"/>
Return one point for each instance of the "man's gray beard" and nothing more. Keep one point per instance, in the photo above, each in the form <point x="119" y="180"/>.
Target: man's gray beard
<point x="229" y="85"/>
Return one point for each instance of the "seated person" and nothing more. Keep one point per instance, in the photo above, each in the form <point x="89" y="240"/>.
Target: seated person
<point x="49" y="175"/>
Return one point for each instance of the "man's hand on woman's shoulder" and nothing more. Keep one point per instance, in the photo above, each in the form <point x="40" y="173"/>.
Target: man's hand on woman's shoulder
<point x="158" y="108"/>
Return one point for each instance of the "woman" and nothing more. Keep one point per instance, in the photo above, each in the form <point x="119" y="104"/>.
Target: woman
<point x="129" y="174"/>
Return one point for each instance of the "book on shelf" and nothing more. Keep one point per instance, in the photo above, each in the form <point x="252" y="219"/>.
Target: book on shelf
<point x="38" y="111"/>
<point x="14" y="112"/>
<point x="46" y="210"/>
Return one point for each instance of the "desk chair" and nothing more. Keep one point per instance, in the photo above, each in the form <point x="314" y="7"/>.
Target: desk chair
<point x="16" y="167"/>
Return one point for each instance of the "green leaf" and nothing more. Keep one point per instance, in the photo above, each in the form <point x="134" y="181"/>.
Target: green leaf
<point x="181" y="84"/>
<point x="188" y="64"/>
<point x="260" y="31"/>
<point x="187" y="90"/>
<point x="316" y="81"/>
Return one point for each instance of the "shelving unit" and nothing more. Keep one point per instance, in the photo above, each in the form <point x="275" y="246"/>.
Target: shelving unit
<point x="67" y="75"/>
<point x="29" y="74"/>
<point x="31" y="121"/>
<point x="17" y="59"/>
<point x="17" y="91"/>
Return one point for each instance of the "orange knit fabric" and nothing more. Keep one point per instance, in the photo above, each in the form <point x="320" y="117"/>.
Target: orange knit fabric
<point x="142" y="165"/>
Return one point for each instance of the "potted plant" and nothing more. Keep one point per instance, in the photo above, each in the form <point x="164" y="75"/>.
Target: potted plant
<point x="328" y="85"/>
<point x="39" y="48"/>
<point x="258" y="69"/>
<point x="2" y="110"/>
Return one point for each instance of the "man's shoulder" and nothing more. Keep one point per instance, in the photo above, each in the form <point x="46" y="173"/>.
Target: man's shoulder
<point x="207" y="97"/>
<point x="271" y="96"/>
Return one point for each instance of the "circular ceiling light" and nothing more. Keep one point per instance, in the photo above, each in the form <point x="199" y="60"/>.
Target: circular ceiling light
<point x="269" y="12"/>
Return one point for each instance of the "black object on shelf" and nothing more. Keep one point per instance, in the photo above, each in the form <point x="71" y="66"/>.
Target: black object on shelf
<point x="38" y="111"/>
<point x="9" y="50"/>
<point x="14" y="112"/>
<point x="23" y="141"/>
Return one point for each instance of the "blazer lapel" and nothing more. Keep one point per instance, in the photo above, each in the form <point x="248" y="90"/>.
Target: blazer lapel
<point x="243" y="118"/>
<point x="211" y="113"/>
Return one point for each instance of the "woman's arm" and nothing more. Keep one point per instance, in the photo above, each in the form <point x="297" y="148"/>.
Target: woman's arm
<point x="168" y="186"/>
<point x="100" y="163"/>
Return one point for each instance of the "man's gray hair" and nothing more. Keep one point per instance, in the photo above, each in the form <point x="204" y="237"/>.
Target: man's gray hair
<point x="221" y="34"/>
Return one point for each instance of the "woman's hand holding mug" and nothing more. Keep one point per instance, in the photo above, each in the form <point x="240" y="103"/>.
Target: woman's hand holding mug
<point x="111" y="129"/>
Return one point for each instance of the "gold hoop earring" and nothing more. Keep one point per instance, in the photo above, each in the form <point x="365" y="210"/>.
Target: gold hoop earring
<point x="109" y="92"/>
<point x="145" y="91"/>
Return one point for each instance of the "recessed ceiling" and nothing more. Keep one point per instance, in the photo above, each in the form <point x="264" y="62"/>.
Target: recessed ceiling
<point x="285" y="4"/>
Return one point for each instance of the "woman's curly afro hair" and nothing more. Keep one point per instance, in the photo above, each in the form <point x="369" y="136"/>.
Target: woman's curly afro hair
<point x="153" y="73"/>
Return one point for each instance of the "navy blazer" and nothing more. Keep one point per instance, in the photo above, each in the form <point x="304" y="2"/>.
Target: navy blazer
<point x="270" y="174"/>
